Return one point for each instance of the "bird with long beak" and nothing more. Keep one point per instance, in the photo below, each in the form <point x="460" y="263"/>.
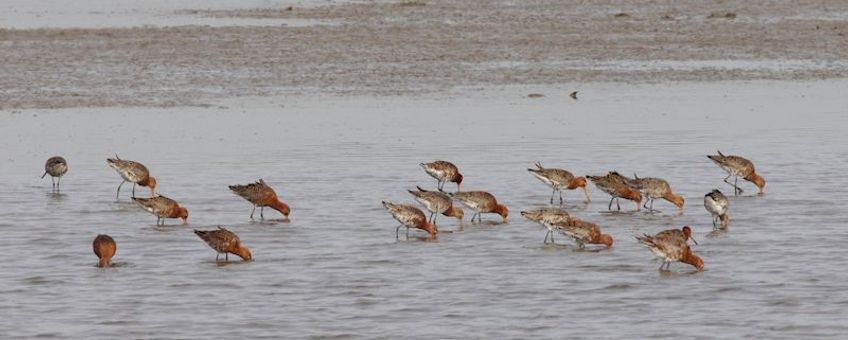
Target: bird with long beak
<point x="443" y="172"/>
<point x="261" y="195"/>
<point x="224" y="242"/>
<point x="736" y="167"/>
<point x="559" y="180"/>
<point x="437" y="203"/>
<point x="481" y="202"/>
<point x="134" y="172"/>
<point x="717" y="204"/>
<point x="583" y="232"/>
<point x="616" y="186"/>
<point x="163" y="208"/>
<point x="410" y="217"/>
<point x="56" y="167"/>
<point x="653" y="188"/>
<point x="671" y="248"/>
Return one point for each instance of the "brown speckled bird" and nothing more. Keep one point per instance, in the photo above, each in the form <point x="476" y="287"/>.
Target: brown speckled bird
<point x="224" y="242"/>
<point x="615" y="185"/>
<point x="56" y="167"/>
<point x="104" y="247"/>
<point x="547" y="217"/>
<point x="163" y="208"/>
<point x="261" y="195"/>
<point x="443" y="172"/>
<point x="583" y="232"/>
<point x="410" y="217"/>
<point x="653" y="188"/>
<point x="559" y="180"/>
<point x="737" y="166"/>
<point x="437" y="203"/>
<point x="671" y="248"/>
<point x="481" y="202"/>
<point x="685" y="233"/>
<point x="134" y="172"/>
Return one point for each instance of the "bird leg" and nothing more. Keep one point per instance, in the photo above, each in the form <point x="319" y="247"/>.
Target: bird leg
<point x="133" y="195"/>
<point x="262" y="213"/>
<point x="552" y="196"/>
<point x="119" y="189"/>
<point x="58" y="182"/>
<point x="254" y="210"/>
<point x="217" y="256"/>
<point x="560" y="197"/>
<point x="609" y="207"/>
<point x="736" y="190"/>
<point x="618" y="204"/>
<point x="397" y="232"/>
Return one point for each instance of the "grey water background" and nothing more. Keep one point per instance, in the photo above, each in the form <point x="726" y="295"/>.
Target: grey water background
<point x="336" y="270"/>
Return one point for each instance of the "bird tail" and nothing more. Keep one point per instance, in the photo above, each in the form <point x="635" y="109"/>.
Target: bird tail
<point x="419" y="189"/>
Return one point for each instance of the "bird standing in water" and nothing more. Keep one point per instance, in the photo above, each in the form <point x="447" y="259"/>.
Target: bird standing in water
<point x="56" y="167"/>
<point x="443" y="172"/>
<point x="134" y="172"/>
<point x="261" y="195"/>
<point x="736" y="167"/>
<point x="559" y="180"/>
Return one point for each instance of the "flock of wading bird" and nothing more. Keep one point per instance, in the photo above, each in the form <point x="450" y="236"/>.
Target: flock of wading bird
<point x="670" y="245"/>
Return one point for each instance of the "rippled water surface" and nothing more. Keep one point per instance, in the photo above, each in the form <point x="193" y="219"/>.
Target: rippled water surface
<point x="336" y="270"/>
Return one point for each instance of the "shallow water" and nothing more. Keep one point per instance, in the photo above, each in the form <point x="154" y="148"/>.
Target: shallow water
<point x="335" y="271"/>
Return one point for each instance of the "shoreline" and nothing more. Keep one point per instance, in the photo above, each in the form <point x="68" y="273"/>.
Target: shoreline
<point x="387" y="49"/>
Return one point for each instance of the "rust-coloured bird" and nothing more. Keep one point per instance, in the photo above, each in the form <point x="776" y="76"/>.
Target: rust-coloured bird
<point x="615" y="185"/>
<point x="559" y="180"/>
<point x="163" y="208"/>
<point x="443" y="172"/>
<point x="410" y="217"/>
<point x="437" y="203"/>
<point x="671" y="249"/>
<point x="261" y="195"/>
<point x="653" y="188"/>
<point x="105" y="248"/>
<point x="737" y="166"/>
<point x="224" y="242"/>
<point x="134" y="172"/>
<point x="481" y="202"/>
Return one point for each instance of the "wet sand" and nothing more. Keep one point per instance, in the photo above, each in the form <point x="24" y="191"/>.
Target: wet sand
<point x="391" y="48"/>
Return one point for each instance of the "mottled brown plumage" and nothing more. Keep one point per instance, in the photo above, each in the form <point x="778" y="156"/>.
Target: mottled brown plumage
<point x="224" y="242"/>
<point x="684" y="233"/>
<point x="547" y="217"/>
<point x="653" y="188"/>
<point x="671" y="248"/>
<point x="559" y="180"/>
<point x="443" y="172"/>
<point x="134" y="172"/>
<point x="737" y="166"/>
<point x="437" y="203"/>
<point x="105" y="248"/>
<point x="481" y="202"/>
<point x="583" y="232"/>
<point x="163" y="208"/>
<point x="410" y="217"/>
<point x="615" y="185"/>
<point x="56" y="167"/>
<point x="261" y="195"/>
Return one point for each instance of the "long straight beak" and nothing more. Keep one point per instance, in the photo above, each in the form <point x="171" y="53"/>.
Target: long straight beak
<point x="693" y="240"/>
